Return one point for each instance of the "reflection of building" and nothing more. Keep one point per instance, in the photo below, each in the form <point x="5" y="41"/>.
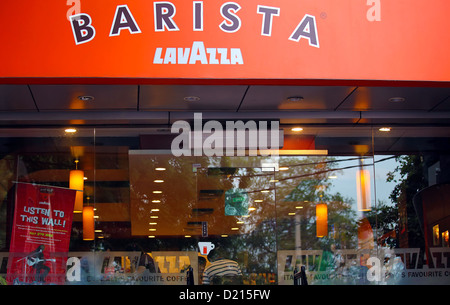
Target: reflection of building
<point x="434" y="202"/>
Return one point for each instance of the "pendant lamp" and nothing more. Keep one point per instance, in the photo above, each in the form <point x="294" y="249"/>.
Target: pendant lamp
<point x="363" y="190"/>
<point x="321" y="219"/>
<point x="76" y="182"/>
<point x="88" y="223"/>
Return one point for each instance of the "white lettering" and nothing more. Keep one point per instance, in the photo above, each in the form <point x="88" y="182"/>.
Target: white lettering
<point x="223" y="56"/>
<point x="74" y="271"/>
<point x="157" y="58"/>
<point x="236" y="56"/>
<point x="374" y="12"/>
<point x="181" y="144"/>
<point x="212" y="56"/>
<point x="238" y="139"/>
<point x="171" y="56"/>
<point x="183" y="55"/>
<point x="375" y="272"/>
<point x="198" y="53"/>
<point x="73" y="10"/>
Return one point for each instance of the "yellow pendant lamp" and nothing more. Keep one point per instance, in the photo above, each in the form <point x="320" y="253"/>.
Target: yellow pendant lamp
<point x="321" y="219"/>
<point x="76" y="182"/>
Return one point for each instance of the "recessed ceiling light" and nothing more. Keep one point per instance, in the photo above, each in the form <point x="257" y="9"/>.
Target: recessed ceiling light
<point x="297" y="129"/>
<point x="191" y="98"/>
<point x="156" y="201"/>
<point x="295" y="98"/>
<point x="70" y="130"/>
<point x="157" y="192"/>
<point x="158" y="181"/>
<point x="397" y="99"/>
<point x="284" y="168"/>
<point x="160" y="169"/>
<point x="291" y="214"/>
<point x="86" y="98"/>
<point x="385" y="129"/>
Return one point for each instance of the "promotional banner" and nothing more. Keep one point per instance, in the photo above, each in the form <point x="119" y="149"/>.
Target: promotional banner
<point x="40" y="235"/>
<point x="132" y="268"/>
<point x="256" y="40"/>
<point x="382" y="266"/>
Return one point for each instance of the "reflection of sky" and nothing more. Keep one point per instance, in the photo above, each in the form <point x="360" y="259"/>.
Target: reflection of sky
<point x="345" y="183"/>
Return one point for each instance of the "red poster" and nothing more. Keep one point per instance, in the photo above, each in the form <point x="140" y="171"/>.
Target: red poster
<point x="40" y="235"/>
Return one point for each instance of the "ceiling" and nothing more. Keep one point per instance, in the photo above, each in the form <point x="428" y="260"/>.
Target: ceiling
<point x="326" y="112"/>
<point x="162" y="104"/>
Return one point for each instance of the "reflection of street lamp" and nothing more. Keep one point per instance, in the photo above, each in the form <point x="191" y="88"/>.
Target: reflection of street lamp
<point x="88" y="223"/>
<point x="363" y="188"/>
<point x="321" y="219"/>
<point x="76" y="182"/>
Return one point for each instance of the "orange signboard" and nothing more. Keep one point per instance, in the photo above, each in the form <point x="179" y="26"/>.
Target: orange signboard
<point x="378" y="40"/>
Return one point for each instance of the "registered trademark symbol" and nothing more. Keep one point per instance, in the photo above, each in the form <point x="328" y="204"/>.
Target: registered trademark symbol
<point x="323" y="15"/>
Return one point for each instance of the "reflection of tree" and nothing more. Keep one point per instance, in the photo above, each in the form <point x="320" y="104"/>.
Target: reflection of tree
<point x="411" y="181"/>
<point x="384" y="221"/>
<point x="270" y="227"/>
<point x="267" y="227"/>
<point x="311" y="187"/>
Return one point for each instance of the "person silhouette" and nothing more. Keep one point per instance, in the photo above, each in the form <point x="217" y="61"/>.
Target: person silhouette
<point x="36" y="260"/>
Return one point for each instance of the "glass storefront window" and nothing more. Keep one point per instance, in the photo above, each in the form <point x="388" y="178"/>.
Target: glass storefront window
<point x="350" y="213"/>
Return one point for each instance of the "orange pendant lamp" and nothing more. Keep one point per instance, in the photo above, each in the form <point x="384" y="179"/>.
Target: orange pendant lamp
<point x="76" y="182"/>
<point x="321" y="219"/>
<point x="88" y="223"/>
